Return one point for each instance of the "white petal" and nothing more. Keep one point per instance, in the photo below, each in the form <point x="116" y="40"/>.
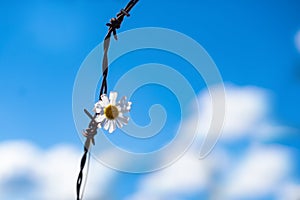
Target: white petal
<point x="97" y="107"/>
<point x="122" y="102"/>
<point x="112" y="127"/>
<point x="100" y="118"/>
<point x="96" y="110"/>
<point x="125" y="106"/>
<point x="123" y="119"/>
<point x="119" y="108"/>
<point x="105" y="100"/>
<point x="99" y="103"/>
<point x="113" y="97"/>
<point x="102" y="123"/>
<point x="129" y="105"/>
<point x="119" y="124"/>
<point x="106" y="125"/>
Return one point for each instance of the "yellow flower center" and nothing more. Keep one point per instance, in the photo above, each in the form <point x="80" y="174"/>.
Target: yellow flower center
<point x="111" y="112"/>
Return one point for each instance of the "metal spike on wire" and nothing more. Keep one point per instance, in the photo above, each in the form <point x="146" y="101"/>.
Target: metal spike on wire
<point x="91" y="131"/>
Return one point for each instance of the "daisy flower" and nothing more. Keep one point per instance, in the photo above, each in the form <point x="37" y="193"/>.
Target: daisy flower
<point x="110" y="113"/>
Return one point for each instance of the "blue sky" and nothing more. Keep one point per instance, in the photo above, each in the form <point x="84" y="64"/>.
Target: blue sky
<point x="43" y="43"/>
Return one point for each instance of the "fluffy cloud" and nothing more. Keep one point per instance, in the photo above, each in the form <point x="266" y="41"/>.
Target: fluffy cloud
<point x="253" y="170"/>
<point x="186" y="176"/>
<point x="28" y="172"/>
<point x="261" y="172"/>
<point x="247" y="111"/>
<point x="291" y="191"/>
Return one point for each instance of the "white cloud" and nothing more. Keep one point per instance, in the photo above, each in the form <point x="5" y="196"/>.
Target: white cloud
<point x="297" y="40"/>
<point x="291" y="191"/>
<point x="262" y="170"/>
<point x="247" y="110"/>
<point x="257" y="170"/>
<point x="184" y="177"/>
<point x="187" y="176"/>
<point x="47" y="174"/>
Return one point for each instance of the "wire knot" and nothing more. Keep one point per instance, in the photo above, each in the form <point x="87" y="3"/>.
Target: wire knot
<point x="114" y="24"/>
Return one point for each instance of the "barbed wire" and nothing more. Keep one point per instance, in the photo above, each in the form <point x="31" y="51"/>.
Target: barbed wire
<point x="114" y="24"/>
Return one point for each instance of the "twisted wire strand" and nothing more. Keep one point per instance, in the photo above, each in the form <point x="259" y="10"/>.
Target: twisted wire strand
<point x="80" y="175"/>
<point x="87" y="174"/>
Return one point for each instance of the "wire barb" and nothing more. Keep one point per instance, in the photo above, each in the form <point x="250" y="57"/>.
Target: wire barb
<point x="91" y="131"/>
